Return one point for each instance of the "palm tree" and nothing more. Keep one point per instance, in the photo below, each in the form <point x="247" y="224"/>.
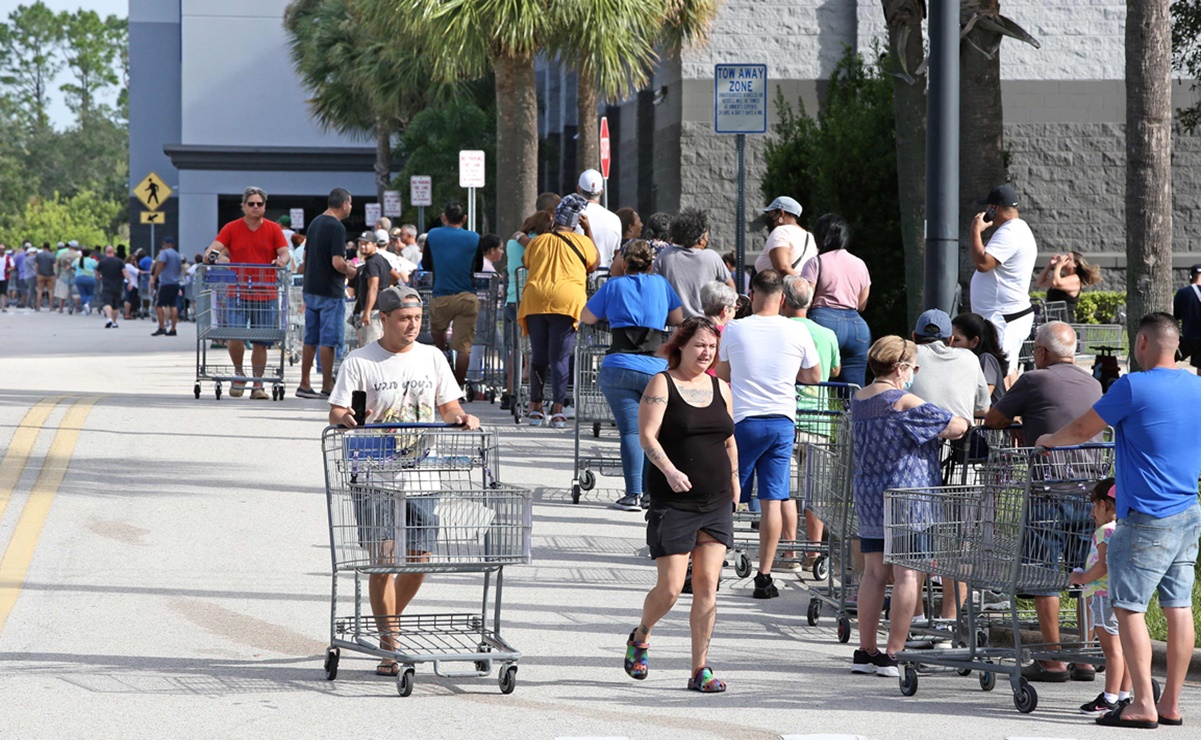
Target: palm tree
<point x="465" y="37"/>
<point x="612" y="45"/>
<point x="363" y="83"/>
<point x="1148" y="159"/>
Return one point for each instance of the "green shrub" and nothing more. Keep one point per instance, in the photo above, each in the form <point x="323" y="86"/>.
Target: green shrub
<point x="1099" y="306"/>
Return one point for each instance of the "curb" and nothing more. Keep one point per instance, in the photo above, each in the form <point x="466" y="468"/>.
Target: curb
<point x="1003" y="636"/>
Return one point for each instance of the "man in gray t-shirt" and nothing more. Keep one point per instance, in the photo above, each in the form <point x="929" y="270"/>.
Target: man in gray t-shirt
<point x="950" y="377"/>
<point x="687" y="264"/>
<point x="166" y="299"/>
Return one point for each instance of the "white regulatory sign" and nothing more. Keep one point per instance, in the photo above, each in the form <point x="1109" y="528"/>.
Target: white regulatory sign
<point x="471" y="168"/>
<point x="392" y="207"/>
<point x="371" y="213"/>
<point x="740" y="99"/>
<point x="421" y="190"/>
<point x="297" y="215"/>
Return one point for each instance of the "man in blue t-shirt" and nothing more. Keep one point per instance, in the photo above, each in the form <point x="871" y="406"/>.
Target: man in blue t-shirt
<point x="1154" y="548"/>
<point x="165" y="276"/>
<point x="449" y="250"/>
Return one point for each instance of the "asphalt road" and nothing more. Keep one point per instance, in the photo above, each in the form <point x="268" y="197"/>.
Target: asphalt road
<point x="165" y="572"/>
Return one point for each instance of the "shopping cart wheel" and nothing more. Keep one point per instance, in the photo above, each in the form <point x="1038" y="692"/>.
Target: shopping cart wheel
<point x="596" y="430"/>
<point x="814" y="612"/>
<point x="217" y="391"/>
<point x="587" y="480"/>
<point x="1025" y="698"/>
<point x="964" y="671"/>
<point x="508" y="679"/>
<point x="1156" y="690"/>
<point x="404" y="682"/>
<point x="844" y="630"/>
<point x="469" y="392"/>
<point x="331" y="663"/>
<point x="742" y="565"/>
<point x="981" y="638"/>
<point x="821" y="568"/>
<point x="196" y="390"/>
<point x="988" y="680"/>
<point x="575" y="493"/>
<point x="908" y="681"/>
<point x="483" y="665"/>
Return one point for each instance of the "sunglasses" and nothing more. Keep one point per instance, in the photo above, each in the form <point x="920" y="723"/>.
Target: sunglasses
<point x="255" y="205"/>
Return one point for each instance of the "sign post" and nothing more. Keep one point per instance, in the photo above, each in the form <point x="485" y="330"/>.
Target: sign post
<point x="152" y="191"/>
<point x="421" y="194"/>
<point x="740" y="108"/>
<point x="392" y="204"/>
<point x="606" y="158"/>
<point x="471" y="176"/>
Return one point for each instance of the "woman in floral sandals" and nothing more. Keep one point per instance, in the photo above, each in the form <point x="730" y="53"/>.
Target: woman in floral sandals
<point x="686" y="426"/>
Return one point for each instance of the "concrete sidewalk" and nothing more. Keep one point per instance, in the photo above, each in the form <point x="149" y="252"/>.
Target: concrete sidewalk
<point x="180" y="587"/>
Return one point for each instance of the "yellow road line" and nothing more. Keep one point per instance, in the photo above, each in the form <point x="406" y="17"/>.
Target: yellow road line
<point x="17" y="557"/>
<point x="21" y="447"/>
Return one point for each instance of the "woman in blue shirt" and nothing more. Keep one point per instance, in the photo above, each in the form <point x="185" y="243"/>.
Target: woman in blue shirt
<point x="637" y="306"/>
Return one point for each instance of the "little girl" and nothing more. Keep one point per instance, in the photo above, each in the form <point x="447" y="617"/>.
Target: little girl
<point x="1095" y="579"/>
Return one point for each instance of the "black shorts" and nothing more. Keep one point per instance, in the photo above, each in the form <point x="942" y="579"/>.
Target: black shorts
<point x="674" y="532"/>
<point x="168" y="296"/>
<point x="111" y="297"/>
<point x="1190" y="349"/>
<point x="3" y="286"/>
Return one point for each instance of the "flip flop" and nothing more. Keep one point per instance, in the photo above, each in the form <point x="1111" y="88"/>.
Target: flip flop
<point x="1171" y="722"/>
<point x="1115" y="719"/>
<point x="388" y="668"/>
<point x="705" y="683"/>
<point x="636" y="658"/>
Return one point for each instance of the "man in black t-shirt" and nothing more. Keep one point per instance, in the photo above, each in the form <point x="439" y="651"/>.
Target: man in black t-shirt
<point x="1186" y="307"/>
<point x="375" y="275"/>
<point x="111" y="271"/>
<point x="325" y="273"/>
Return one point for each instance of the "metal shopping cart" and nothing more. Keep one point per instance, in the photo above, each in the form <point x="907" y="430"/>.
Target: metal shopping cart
<point x="486" y="374"/>
<point x="829" y="495"/>
<point x="994" y="536"/>
<point x="592" y="410"/>
<point x="294" y="344"/>
<point x="422" y="498"/>
<point x="244" y="303"/>
<point x="821" y="411"/>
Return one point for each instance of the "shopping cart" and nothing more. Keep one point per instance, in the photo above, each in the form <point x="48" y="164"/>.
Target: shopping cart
<point x="993" y="536"/>
<point x="821" y="411"/>
<point x="295" y="341"/>
<point x="486" y="373"/>
<point x="829" y="495"/>
<point x="245" y="303"/>
<point x="422" y="498"/>
<point x="592" y="410"/>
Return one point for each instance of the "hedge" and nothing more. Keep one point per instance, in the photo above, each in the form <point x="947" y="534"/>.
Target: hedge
<point x="1095" y="306"/>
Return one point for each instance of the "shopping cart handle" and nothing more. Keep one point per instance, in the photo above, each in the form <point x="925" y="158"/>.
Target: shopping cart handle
<point x="425" y="425"/>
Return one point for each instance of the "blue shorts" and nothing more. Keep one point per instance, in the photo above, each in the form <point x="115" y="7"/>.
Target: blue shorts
<point x="765" y="450"/>
<point x="241" y="313"/>
<point x="377" y="513"/>
<point x="1058" y="525"/>
<point x="1148" y="555"/>
<point x="324" y="320"/>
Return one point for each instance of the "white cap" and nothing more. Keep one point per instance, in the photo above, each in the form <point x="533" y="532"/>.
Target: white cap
<point x="786" y="204"/>
<point x="381" y="237"/>
<point x="591" y="182"/>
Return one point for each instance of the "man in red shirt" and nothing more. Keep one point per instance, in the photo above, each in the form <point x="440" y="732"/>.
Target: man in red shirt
<point x="255" y="240"/>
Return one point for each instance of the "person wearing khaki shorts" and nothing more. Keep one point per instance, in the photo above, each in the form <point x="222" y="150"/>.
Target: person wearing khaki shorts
<point x="458" y="313"/>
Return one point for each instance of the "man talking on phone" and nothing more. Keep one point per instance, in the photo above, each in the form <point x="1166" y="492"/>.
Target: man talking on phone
<point x="1000" y="289"/>
<point x="405" y="383"/>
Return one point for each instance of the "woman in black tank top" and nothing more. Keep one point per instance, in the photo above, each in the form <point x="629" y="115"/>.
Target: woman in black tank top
<point x="686" y="427"/>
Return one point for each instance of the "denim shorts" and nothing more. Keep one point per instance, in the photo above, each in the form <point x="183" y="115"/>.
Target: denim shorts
<point x="377" y="512"/>
<point x="1100" y="614"/>
<point x="241" y="313"/>
<point x="1059" y="525"/>
<point x="765" y="451"/>
<point x="324" y="319"/>
<point x="1148" y="555"/>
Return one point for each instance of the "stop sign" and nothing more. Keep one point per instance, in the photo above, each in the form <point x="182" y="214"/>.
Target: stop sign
<point x="605" y="157"/>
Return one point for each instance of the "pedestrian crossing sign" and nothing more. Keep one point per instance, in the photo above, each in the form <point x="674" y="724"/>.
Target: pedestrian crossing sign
<point x="153" y="192"/>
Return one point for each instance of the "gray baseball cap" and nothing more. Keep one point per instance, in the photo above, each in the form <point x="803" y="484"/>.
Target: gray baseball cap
<point x="398" y="296"/>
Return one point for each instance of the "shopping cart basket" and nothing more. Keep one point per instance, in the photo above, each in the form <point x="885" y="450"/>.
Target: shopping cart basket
<point x="241" y="303"/>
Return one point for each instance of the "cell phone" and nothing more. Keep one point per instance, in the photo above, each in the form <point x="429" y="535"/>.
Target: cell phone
<point x="989" y="213"/>
<point x="358" y="405"/>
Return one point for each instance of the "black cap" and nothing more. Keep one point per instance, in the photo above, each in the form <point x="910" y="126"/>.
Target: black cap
<point x="1001" y="195"/>
<point x="1195" y="270"/>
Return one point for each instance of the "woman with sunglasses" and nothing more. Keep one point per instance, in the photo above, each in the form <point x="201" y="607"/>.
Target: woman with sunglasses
<point x="896" y="445"/>
<point x="686" y="425"/>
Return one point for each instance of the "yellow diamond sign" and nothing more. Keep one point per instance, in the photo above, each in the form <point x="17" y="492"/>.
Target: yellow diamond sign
<point x="153" y="218"/>
<point x="153" y="192"/>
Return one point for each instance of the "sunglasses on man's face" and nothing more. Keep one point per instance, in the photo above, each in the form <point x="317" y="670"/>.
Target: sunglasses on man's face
<point x="258" y="204"/>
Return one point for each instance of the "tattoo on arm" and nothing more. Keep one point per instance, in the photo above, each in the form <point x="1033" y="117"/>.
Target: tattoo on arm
<point x="655" y="454"/>
<point x="649" y="399"/>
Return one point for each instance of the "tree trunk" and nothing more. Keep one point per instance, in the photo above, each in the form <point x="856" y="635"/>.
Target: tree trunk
<point x="909" y="103"/>
<point x="383" y="160"/>
<point x="1148" y="160"/>
<point x="981" y="134"/>
<point x="588" y="129"/>
<point x="516" y="140"/>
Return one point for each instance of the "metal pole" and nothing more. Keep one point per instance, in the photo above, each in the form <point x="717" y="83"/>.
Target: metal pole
<point x="740" y="215"/>
<point x="942" y="157"/>
<point x="471" y="209"/>
<point x="420" y="219"/>
<point x="152" y="241"/>
<point x="605" y="195"/>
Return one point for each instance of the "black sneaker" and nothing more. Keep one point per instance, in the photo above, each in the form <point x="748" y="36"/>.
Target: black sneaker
<point x="159" y="332"/>
<point x="172" y="333"/>
<point x="861" y="662"/>
<point x="506" y="402"/>
<point x="1098" y="706"/>
<point x="764" y="588"/>
<point x="307" y="393"/>
<point x="645" y="503"/>
<point x="886" y="665"/>
<point x="627" y="503"/>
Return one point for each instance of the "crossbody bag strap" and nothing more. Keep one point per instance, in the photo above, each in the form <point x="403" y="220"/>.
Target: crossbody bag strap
<point x="578" y="253"/>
